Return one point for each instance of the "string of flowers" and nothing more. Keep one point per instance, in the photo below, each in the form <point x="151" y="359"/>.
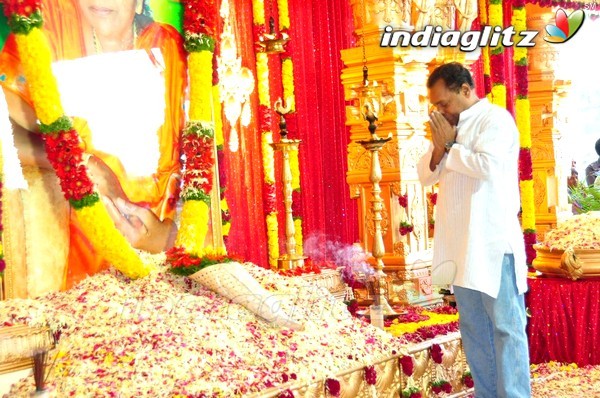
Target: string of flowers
<point x="199" y="132"/>
<point x="485" y="51"/>
<point x="63" y="142"/>
<point x="266" y="125"/>
<point x="287" y="80"/>
<point x="523" y="119"/>
<point x="405" y="226"/>
<point x="498" y="77"/>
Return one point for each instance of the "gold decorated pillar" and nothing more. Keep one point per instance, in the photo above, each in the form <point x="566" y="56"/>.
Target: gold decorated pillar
<point x="402" y="73"/>
<point x="545" y="94"/>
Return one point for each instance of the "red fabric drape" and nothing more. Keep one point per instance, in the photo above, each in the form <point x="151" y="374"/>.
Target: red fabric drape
<point x="565" y="321"/>
<point x="319" y="30"/>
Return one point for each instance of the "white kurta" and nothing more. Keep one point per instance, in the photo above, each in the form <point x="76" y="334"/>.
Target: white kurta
<point x="478" y="202"/>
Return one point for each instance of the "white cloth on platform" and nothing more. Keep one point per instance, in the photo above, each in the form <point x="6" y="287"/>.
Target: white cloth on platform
<point x="478" y="202"/>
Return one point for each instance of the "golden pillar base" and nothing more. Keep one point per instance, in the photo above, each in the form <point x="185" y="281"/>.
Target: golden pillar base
<point x="286" y="262"/>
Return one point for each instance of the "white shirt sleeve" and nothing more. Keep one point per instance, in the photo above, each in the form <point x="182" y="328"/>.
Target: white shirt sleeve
<point x="426" y="176"/>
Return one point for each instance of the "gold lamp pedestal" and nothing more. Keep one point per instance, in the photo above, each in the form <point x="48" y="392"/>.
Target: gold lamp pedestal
<point x="374" y="145"/>
<point x="290" y="259"/>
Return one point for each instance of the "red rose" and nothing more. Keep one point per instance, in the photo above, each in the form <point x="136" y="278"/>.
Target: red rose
<point x="333" y="387"/>
<point x="370" y="375"/>
<point x="407" y="364"/>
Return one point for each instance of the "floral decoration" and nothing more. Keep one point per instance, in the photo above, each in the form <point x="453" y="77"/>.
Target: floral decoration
<point x="436" y="353"/>
<point x="268" y="154"/>
<point x="411" y="392"/>
<point x="403" y="200"/>
<point x="63" y="142"/>
<point x="120" y="336"/>
<point x="406" y="228"/>
<point x="523" y="120"/>
<point x="407" y="364"/>
<point x="417" y="324"/>
<point x="198" y="143"/>
<point x="467" y="379"/>
<point x="332" y="386"/>
<point x="185" y="264"/>
<point x="370" y="375"/>
<point x="441" y="386"/>
<point x="286" y="394"/>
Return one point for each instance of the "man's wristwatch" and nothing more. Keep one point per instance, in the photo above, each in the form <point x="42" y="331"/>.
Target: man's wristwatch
<point x="448" y="145"/>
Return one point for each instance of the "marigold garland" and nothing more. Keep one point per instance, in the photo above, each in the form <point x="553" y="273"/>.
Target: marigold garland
<point x="63" y="143"/>
<point x="497" y="74"/>
<point x="284" y="14"/>
<point x="287" y="79"/>
<point x="266" y="127"/>
<point x="199" y="25"/>
<point x="523" y="120"/>
<point x="528" y="205"/>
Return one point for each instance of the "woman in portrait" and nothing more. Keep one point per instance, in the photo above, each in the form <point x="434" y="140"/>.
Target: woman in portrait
<point x="122" y="77"/>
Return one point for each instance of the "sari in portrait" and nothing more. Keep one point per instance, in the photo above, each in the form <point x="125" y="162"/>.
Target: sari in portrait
<point x="143" y="154"/>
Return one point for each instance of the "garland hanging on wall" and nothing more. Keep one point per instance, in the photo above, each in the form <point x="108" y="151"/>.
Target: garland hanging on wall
<point x="523" y="119"/>
<point x="266" y="125"/>
<point x="497" y="73"/>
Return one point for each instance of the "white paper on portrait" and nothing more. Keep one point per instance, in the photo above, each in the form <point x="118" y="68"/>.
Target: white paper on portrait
<point x="122" y="97"/>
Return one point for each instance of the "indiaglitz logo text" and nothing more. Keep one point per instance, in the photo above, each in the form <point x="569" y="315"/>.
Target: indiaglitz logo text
<point x="467" y="41"/>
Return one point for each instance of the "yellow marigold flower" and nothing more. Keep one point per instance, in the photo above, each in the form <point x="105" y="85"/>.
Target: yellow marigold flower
<point x="258" y="12"/>
<point x="200" y="75"/>
<point x="99" y="227"/>
<point x="194" y="227"/>
<point x="284" y="14"/>
<point x="262" y="75"/>
<point x="268" y="157"/>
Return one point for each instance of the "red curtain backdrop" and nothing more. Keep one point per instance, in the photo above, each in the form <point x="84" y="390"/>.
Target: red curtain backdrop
<point x="565" y="321"/>
<point x="319" y="30"/>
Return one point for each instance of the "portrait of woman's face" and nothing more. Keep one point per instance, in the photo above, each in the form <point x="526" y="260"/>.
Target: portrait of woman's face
<point x="109" y="18"/>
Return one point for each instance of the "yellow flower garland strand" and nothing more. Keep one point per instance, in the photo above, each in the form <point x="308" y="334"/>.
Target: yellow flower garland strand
<point x="398" y="329"/>
<point x="498" y="93"/>
<point x="268" y="155"/>
<point x="194" y="218"/>
<point x="523" y="119"/>
<point x="96" y="223"/>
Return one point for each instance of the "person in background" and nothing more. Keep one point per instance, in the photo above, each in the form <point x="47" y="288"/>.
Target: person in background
<point x="141" y="200"/>
<point x="592" y="172"/>
<point x="479" y="247"/>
